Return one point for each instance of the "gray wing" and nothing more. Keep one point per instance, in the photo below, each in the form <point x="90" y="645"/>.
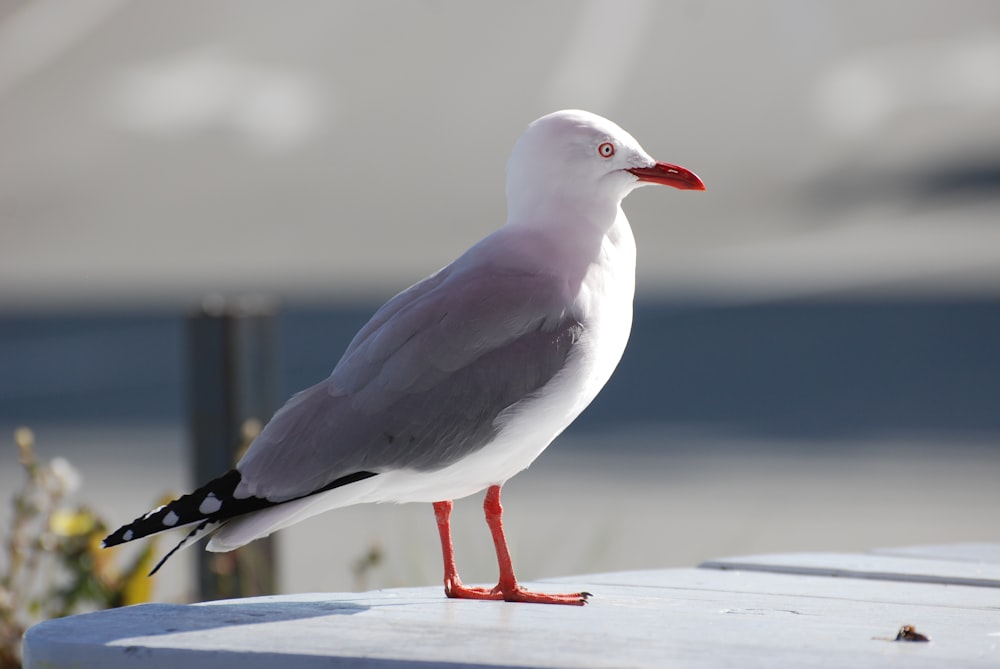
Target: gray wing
<point x="422" y="383"/>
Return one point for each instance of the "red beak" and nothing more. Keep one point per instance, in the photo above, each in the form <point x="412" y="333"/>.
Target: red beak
<point x="669" y="175"/>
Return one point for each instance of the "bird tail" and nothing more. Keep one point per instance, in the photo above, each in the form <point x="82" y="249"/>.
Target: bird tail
<point x="209" y="509"/>
<point x="205" y="503"/>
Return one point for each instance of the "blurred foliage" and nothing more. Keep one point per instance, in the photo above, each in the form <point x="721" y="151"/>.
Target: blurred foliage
<point x="51" y="560"/>
<point x="364" y="565"/>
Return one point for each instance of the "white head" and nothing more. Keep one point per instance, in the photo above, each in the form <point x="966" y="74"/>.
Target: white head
<point x="578" y="161"/>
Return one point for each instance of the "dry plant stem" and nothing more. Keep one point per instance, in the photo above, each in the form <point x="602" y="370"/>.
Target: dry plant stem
<point x="31" y="553"/>
<point x="50" y="568"/>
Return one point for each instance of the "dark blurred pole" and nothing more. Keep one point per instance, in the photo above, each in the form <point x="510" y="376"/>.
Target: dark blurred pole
<point x="233" y="390"/>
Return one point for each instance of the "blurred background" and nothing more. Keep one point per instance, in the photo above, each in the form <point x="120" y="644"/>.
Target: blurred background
<point x="815" y="359"/>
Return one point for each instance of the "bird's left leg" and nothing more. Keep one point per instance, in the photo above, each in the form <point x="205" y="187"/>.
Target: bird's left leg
<point x="452" y="583"/>
<point x="508" y="587"/>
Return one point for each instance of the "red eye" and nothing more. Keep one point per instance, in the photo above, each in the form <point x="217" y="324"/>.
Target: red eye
<point x="606" y="149"/>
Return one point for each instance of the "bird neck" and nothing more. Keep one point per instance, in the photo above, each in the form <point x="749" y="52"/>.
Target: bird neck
<point x="580" y="215"/>
<point x="572" y="240"/>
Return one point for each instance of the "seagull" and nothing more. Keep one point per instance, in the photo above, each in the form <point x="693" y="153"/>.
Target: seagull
<point x="460" y="381"/>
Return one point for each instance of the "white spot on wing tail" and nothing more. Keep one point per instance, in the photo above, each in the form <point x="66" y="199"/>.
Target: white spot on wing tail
<point x="210" y="505"/>
<point x="170" y="519"/>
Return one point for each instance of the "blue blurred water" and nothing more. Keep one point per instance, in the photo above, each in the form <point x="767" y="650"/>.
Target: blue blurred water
<point x="796" y="369"/>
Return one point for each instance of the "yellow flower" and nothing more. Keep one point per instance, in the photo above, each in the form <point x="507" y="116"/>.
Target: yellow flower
<point x="71" y="522"/>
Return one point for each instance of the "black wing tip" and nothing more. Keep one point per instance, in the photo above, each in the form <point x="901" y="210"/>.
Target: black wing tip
<point x="187" y="509"/>
<point x="180" y="512"/>
<point x="113" y="539"/>
<point x="127" y="533"/>
<point x="210" y="524"/>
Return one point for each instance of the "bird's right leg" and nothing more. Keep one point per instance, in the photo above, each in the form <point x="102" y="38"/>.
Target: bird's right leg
<point x="452" y="583"/>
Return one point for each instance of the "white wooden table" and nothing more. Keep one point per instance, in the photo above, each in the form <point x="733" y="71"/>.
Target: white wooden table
<point x="795" y="610"/>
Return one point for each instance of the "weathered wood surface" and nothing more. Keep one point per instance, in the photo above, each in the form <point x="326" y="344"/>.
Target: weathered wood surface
<point x="706" y="617"/>
<point x="916" y="565"/>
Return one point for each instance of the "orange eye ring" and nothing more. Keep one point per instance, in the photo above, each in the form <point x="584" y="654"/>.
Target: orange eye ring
<point x="606" y="149"/>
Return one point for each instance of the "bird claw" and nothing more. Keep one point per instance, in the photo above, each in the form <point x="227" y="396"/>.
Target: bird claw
<point x="515" y="594"/>
<point x="519" y="594"/>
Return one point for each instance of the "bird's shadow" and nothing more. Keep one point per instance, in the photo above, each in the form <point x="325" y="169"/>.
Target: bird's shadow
<point x="145" y="620"/>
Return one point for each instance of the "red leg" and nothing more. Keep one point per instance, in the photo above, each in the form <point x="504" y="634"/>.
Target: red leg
<point x="507" y="588"/>
<point x="452" y="583"/>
